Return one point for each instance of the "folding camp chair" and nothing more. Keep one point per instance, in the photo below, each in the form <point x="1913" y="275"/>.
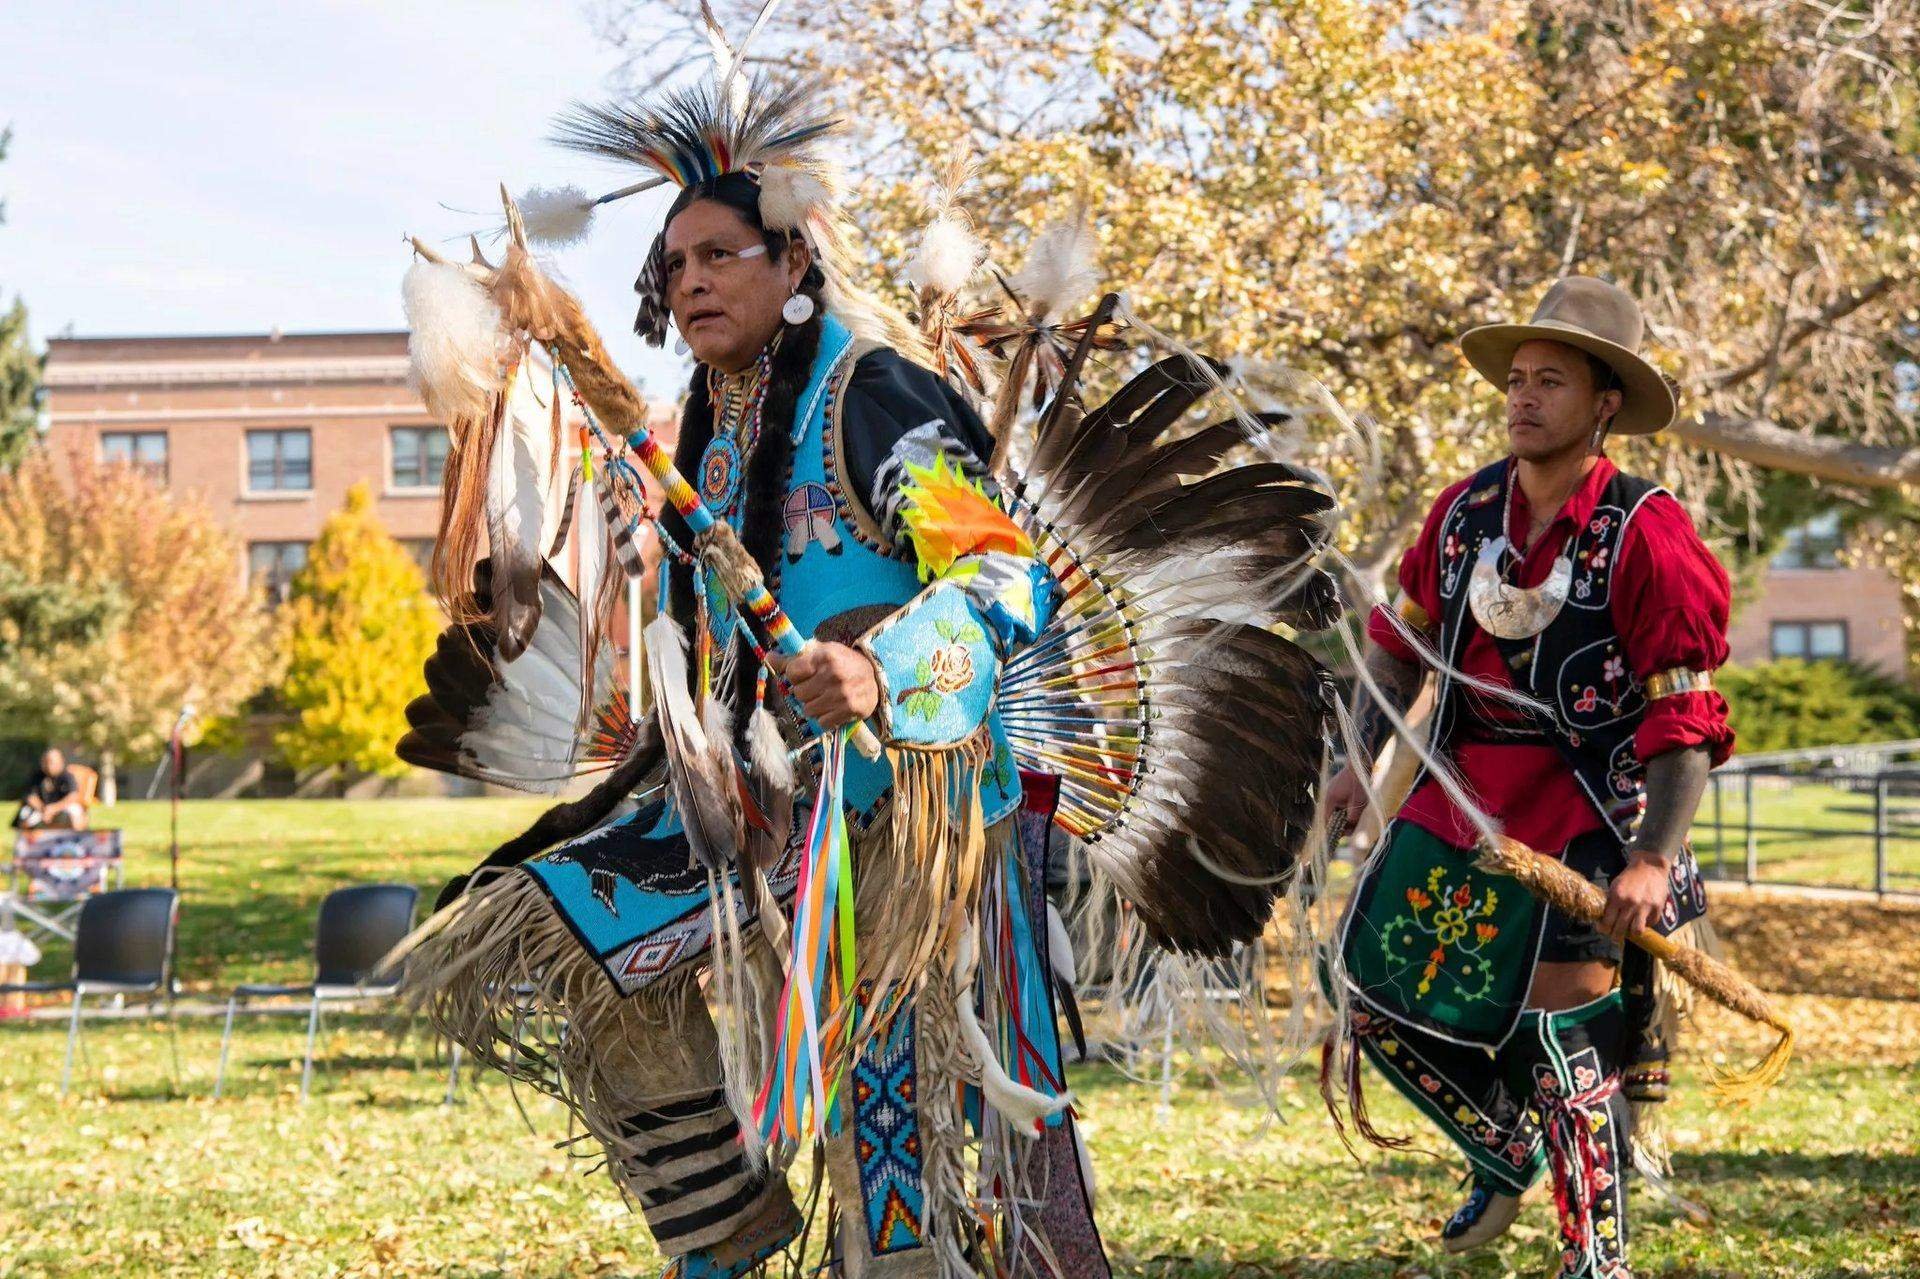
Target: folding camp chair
<point x="122" y="945"/>
<point x="357" y="927"/>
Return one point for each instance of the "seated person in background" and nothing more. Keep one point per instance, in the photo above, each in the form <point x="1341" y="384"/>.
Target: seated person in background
<point x="54" y="799"/>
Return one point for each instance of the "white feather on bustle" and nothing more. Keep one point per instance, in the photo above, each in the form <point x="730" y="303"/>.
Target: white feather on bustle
<point x="455" y="341"/>
<point x="947" y="257"/>
<point x="1060" y="268"/>
<point x="557" y="216"/>
<point x="788" y="195"/>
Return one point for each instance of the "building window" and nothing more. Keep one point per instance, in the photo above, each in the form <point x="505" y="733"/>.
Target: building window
<point x="280" y="461"/>
<point x="1815" y="544"/>
<point x="1811" y="641"/>
<point x="145" y="451"/>
<point x="421" y="549"/>
<point x="273" y="564"/>
<point x="419" y="456"/>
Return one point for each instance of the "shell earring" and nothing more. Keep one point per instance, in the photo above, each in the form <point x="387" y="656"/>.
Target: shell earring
<point x="680" y="346"/>
<point x="798" y="309"/>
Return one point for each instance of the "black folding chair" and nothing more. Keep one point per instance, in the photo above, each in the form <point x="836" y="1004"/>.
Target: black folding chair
<point x="357" y="927"/>
<point x="122" y="945"/>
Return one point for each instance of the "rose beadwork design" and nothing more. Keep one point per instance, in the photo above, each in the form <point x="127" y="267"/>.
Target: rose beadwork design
<point x="942" y="673"/>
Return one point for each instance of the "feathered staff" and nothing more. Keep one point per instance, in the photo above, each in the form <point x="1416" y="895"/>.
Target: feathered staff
<point x="530" y="302"/>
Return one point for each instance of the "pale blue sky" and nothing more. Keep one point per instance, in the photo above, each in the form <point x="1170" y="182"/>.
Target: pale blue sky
<point x="228" y="167"/>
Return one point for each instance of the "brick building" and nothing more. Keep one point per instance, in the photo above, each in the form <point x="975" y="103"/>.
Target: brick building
<point x="269" y="430"/>
<point x="1811" y="605"/>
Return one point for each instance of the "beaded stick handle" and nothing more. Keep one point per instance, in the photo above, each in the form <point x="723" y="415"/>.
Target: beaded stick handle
<point x="735" y="568"/>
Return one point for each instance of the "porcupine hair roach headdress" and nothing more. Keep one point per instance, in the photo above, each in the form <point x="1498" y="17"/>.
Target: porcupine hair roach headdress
<point x="755" y="144"/>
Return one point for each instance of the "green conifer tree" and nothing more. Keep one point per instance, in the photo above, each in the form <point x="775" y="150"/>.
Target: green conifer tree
<point x="360" y="626"/>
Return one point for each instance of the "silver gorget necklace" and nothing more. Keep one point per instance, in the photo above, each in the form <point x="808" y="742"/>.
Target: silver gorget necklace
<point x="1511" y="612"/>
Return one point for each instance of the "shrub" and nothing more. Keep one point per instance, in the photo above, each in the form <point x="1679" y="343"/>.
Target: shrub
<point x="1791" y="704"/>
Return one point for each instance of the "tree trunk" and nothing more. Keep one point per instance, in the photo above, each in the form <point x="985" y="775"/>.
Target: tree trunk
<point x="109" y="779"/>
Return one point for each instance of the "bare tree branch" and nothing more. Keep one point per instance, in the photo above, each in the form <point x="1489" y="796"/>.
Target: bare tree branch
<point x="1827" y="457"/>
<point x="1841" y="307"/>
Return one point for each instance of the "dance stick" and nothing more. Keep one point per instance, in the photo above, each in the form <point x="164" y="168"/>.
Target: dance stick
<point x="1554" y="884"/>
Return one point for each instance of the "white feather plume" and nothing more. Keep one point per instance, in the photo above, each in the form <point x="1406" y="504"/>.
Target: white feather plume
<point x="768" y="750"/>
<point x="947" y="256"/>
<point x="1060" y="947"/>
<point x="455" y="342"/>
<point x="1060" y="268"/>
<point x="592" y="541"/>
<point x="788" y="195"/>
<point x="557" y="216"/>
<point x="517" y="475"/>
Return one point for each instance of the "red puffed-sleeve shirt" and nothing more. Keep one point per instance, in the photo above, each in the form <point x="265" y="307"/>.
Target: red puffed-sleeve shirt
<point x="1670" y="603"/>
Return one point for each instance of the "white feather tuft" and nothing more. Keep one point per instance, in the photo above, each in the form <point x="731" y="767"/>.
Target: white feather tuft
<point x="1059" y="947"/>
<point x="667" y="678"/>
<point x="948" y="255"/>
<point x="768" y="750"/>
<point x="716" y="718"/>
<point x="1025" y="1109"/>
<point x="455" y="343"/>
<point x="788" y="195"/>
<point x="557" y="216"/>
<point x="1060" y="268"/>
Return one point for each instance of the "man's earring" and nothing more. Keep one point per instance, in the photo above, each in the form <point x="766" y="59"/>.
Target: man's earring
<point x="798" y="309"/>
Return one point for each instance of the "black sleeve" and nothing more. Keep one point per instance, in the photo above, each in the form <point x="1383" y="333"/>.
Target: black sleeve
<point x="889" y="396"/>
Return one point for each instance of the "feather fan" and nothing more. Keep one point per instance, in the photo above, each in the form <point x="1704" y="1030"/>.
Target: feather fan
<point x="516" y="724"/>
<point x="1188" y="736"/>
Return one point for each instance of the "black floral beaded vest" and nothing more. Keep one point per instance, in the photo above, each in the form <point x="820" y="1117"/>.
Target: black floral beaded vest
<point x="1577" y="666"/>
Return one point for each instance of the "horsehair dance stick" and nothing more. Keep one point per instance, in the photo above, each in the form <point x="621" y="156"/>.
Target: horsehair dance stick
<point x="734" y="567"/>
<point x="1560" y="887"/>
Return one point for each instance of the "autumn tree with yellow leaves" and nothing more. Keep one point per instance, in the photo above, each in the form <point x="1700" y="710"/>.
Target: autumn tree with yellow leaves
<point x="360" y="626"/>
<point x="1347" y="185"/>
<point x="119" y="606"/>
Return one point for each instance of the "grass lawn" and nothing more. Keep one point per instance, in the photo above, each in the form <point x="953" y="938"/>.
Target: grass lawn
<point x="252" y="872"/>
<point x="1843" y="856"/>
<point x="140" y="1173"/>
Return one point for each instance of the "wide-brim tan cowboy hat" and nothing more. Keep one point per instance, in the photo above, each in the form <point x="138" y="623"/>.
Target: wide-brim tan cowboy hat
<point x="1600" y="319"/>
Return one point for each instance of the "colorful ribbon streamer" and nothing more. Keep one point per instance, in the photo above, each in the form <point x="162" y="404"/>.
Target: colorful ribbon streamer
<point x="801" y="1092"/>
